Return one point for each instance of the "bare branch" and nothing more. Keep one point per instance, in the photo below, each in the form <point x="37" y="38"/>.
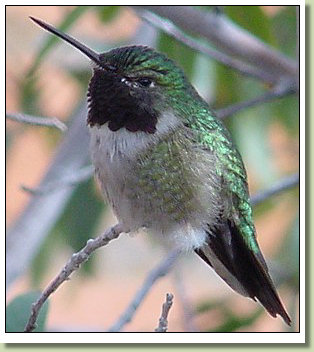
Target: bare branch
<point x="159" y="271"/>
<point x="229" y="38"/>
<point x="72" y="265"/>
<point x="70" y="181"/>
<point x="283" y="90"/>
<point x="280" y="186"/>
<point x="35" y="222"/>
<point x="163" y="320"/>
<point x="38" y="121"/>
<point x="175" y="32"/>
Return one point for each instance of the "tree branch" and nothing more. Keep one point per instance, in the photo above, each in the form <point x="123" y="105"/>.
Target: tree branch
<point x="280" y="186"/>
<point x="35" y="222"/>
<point x="163" y="320"/>
<point x="72" y="265"/>
<point x="37" y="121"/>
<point x="159" y="271"/>
<point x="230" y="38"/>
<point x="175" y="32"/>
<point x="282" y="90"/>
<point x="70" y="181"/>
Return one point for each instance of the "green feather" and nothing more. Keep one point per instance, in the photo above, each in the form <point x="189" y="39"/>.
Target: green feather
<point x="213" y="136"/>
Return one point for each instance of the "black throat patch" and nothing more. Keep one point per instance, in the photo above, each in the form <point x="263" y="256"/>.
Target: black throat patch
<point x="112" y="100"/>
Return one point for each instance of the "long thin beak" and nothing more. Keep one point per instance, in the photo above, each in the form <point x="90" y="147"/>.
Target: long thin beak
<point x="81" y="47"/>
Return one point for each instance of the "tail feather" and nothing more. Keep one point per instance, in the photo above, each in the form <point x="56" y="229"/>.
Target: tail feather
<point x="242" y="269"/>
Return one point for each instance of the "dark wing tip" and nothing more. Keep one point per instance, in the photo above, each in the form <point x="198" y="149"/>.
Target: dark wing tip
<point x="277" y="308"/>
<point x="253" y="274"/>
<point x="271" y="301"/>
<point x="249" y="269"/>
<point x="285" y="317"/>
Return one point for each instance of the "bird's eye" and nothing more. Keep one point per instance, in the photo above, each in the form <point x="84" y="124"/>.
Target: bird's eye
<point x="146" y="82"/>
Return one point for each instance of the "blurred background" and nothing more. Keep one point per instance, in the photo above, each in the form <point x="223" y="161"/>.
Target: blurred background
<point x="48" y="219"/>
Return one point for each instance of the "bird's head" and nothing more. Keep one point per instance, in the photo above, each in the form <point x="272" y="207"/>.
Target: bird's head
<point x="131" y="86"/>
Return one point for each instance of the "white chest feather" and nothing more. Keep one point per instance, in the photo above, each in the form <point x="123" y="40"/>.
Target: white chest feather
<point x="115" y="156"/>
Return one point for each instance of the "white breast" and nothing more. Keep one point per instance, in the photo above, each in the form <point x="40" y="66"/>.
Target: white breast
<point x="115" y="155"/>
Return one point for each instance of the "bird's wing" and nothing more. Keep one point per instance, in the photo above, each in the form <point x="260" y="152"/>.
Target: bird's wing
<point x="231" y="247"/>
<point x="212" y="136"/>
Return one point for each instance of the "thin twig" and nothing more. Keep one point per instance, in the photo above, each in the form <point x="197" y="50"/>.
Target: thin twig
<point x="70" y="181"/>
<point x="38" y="121"/>
<point x="41" y="213"/>
<point x="72" y="265"/>
<point x="159" y="271"/>
<point x="175" y="32"/>
<point x="229" y="38"/>
<point x="268" y="96"/>
<point x="280" y="186"/>
<point x="163" y="320"/>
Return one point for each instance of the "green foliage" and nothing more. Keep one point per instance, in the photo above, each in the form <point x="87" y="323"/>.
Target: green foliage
<point x="231" y="322"/>
<point x="288" y="255"/>
<point x="204" y="76"/>
<point x="209" y="305"/>
<point x="18" y="312"/>
<point x="76" y="225"/>
<point x="234" y="322"/>
<point x="284" y="28"/>
<point x="182" y="55"/>
<point x="251" y="135"/>
<point x="9" y="138"/>
<point x="264" y="207"/>
<point x="82" y="77"/>
<point x="107" y="13"/>
<point x="286" y="111"/>
<point x="227" y="92"/>
<point x="29" y="97"/>
<point x="41" y="262"/>
<point x="253" y="19"/>
<point x="81" y="216"/>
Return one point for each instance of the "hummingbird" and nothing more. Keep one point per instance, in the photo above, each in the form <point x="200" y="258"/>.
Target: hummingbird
<point x="165" y="163"/>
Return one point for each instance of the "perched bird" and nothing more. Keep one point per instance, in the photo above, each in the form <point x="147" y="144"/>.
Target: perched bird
<point x="166" y="163"/>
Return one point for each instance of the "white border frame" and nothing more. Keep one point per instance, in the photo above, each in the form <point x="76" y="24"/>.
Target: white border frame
<point x="197" y="338"/>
